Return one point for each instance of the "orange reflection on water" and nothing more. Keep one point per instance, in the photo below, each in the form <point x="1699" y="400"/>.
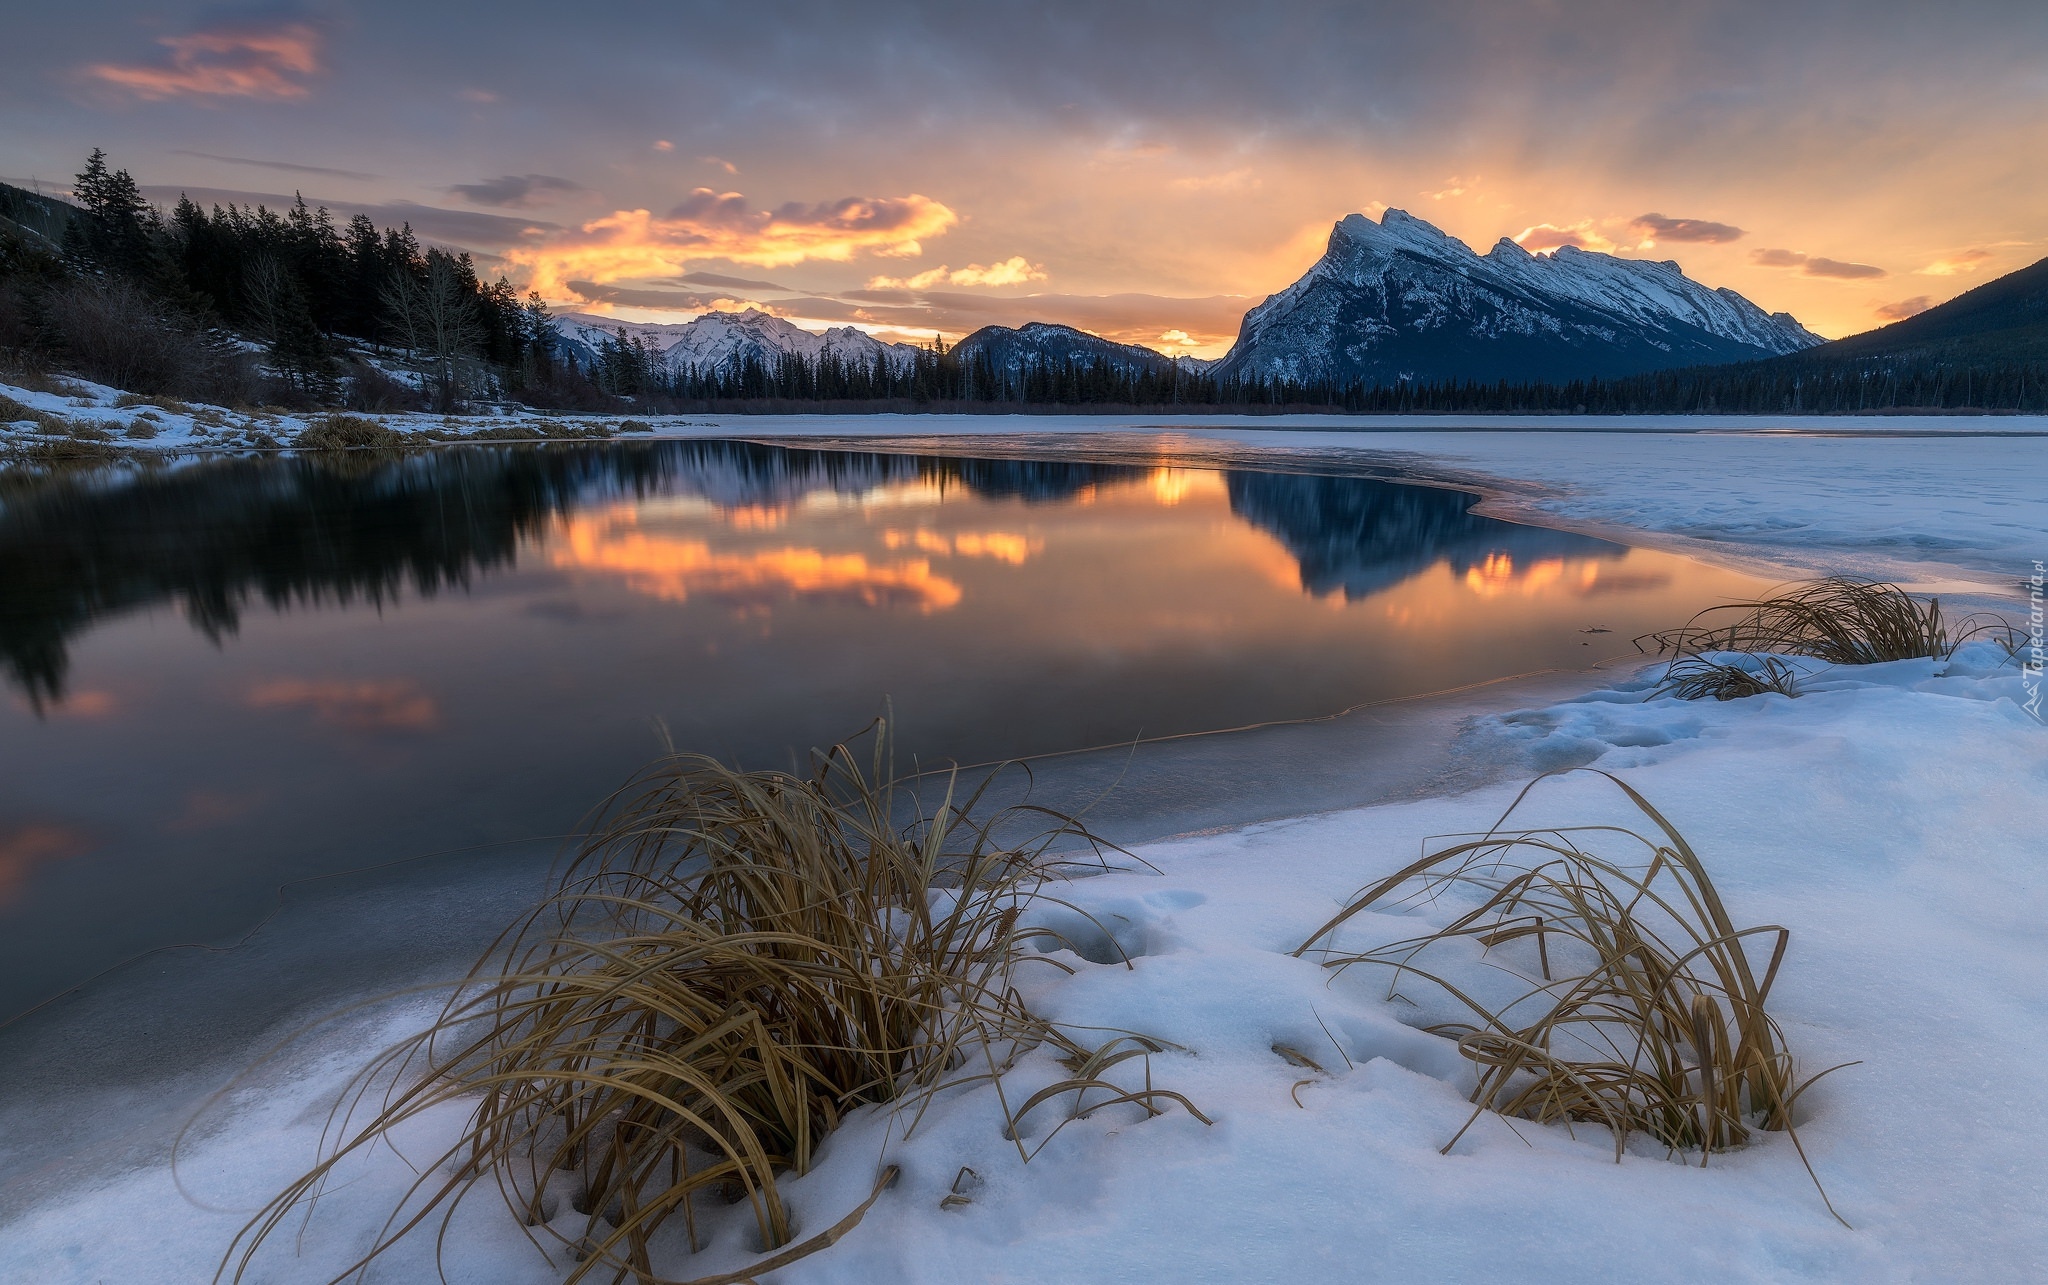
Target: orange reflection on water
<point x="1003" y="546"/>
<point x="674" y="568"/>
<point x="1172" y="485"/>
<point x="755" y="517"/>
<point x="1498" y="575"/>
<point x="23" y="847"/>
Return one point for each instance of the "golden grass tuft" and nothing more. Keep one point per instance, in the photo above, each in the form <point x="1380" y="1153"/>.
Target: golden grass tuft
<point x="1628" y="997"/>
<point x="731" y="963"/>
<point x="1699" y="677"/>
<point x="1840" y="619"/>
<point x="348" y="433"/>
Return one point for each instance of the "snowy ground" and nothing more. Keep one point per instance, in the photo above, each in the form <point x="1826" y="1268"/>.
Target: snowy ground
<point x="1891" y="818"/>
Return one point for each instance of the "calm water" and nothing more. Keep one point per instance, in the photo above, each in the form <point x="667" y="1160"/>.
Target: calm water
<point x="231" y="675"/>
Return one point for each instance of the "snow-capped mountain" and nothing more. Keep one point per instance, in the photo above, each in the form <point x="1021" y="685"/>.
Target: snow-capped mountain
<point x="1399" y="299"/>
<point x="718" y="341"/>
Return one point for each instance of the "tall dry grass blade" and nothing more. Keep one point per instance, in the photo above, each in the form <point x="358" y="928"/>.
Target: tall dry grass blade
<point x="731" y="963"/>
<point x="1842" y="620"/>
<point x="1633" y="1003"/>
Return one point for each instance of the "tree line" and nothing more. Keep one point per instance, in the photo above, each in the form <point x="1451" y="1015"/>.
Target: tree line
<point x="157" y="301"/>
<point x="626" y="367"/>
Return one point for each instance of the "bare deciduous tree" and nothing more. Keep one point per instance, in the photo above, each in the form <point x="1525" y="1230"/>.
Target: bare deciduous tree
<point x="436" y="321"/>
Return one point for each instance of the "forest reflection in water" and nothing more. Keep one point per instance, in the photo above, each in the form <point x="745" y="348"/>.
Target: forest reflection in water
<point x="230" y="674"/>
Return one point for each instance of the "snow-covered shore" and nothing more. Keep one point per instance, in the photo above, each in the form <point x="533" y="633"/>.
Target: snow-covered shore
<point x="1890" y="818"/>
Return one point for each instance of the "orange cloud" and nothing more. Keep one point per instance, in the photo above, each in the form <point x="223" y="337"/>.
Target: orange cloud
<point x="1955" y="264"/>
<point x="229" y="62"/>
<point x="677" y="569"/>
<point x="1549" y="236"/>
<point x="358" y="705"/>
<point x="1013" y="271"/>
<point x="722" y="225"/>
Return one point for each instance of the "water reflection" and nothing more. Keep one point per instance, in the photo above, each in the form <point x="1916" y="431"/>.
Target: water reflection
<point x="1357" y="537"/>
<point x="232" y="674"/>
<point x="215" y="537"/>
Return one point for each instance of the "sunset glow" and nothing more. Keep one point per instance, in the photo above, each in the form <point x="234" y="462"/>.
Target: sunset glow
<point x="1142" y="180"/>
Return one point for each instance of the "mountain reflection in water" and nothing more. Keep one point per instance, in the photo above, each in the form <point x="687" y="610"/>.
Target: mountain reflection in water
<point x="217" y="536"/>
<point x="227" y="675"/>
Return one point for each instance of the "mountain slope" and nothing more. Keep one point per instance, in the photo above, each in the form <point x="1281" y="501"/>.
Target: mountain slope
<point x="1400" y="300"/>
<point x="1039" y="343"/>
<point x="41" y="218"/>
<point x="2000" y="321"/>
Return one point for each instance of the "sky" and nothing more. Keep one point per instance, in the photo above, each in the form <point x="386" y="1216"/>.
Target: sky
<point x="1146" y="171"/>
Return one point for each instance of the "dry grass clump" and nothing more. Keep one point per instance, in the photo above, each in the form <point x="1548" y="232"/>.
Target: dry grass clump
<point x="1840" y="619"/>
<point x="12" y="411"/>
<point x="506" y="433"/>
<point x="59" y="451"/>
<point x="1587" y="988"/>
<point x="142" y="430"/>
<point x="732" y="962"/>
<point x="171" y="404"/>
<point x="635" y="426"/>
<point x="348" y="433"/>
<point x="1699" y="677"/>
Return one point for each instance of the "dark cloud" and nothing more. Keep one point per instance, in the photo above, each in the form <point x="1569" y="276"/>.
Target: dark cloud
<point x="515" y="190"/>
<point x="1905" y="308"/>
<point x="287" y="166"/>
<point x="1702" y="230"/>
<point x="1814" y="266"/>
<point x="462" y="229"/>
<point x="736" y="283"/>
<point x="1846" y="271"/>
<point x="1777" y="258"/>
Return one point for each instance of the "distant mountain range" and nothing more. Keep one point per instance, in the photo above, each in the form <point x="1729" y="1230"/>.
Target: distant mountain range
<point x="1396" y="300"/>
<point x="719" y="341"/>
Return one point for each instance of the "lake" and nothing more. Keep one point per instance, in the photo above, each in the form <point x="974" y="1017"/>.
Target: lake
<point x="230" y="674"/>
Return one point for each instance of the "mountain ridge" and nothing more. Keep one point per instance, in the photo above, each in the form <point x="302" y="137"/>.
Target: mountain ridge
<point x="1400" y="300"/>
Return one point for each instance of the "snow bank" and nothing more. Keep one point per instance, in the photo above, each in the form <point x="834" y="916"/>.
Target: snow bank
<point x="1891" y="818"/>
